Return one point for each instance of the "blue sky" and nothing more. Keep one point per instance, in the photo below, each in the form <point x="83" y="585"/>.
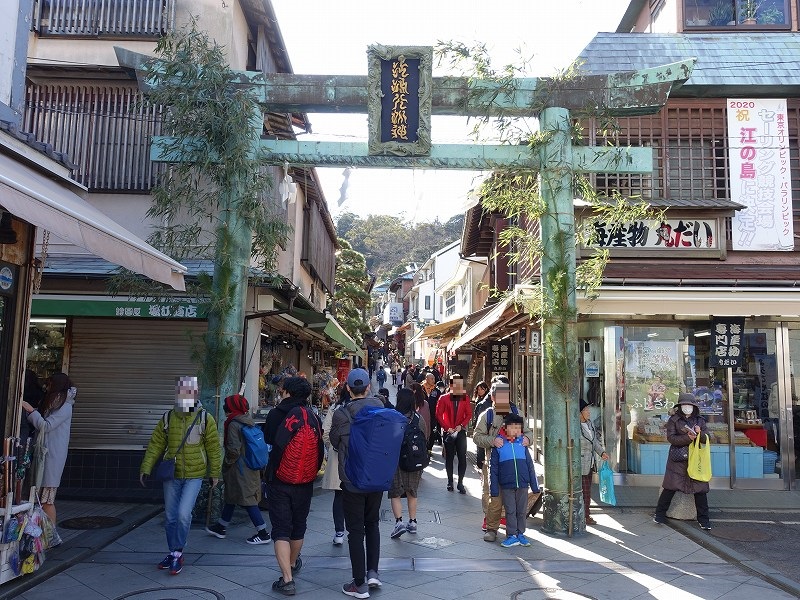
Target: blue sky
<point x="331" y="37"/>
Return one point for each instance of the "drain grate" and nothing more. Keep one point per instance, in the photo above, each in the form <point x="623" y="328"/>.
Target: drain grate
<point x="91" y="522"/>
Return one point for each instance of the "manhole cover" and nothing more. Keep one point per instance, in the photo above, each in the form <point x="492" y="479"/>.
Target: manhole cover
<point x="90" y="522"/>
<point x="739" y="534"/>
<point x="171" y="593"/>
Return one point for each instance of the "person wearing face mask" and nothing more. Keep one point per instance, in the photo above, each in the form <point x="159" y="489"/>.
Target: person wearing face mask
<point x="682" y="428"/>
<point x="189" y="434"/>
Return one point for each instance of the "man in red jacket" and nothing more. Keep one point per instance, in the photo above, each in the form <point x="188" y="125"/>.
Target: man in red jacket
<point x="453" y="412"/>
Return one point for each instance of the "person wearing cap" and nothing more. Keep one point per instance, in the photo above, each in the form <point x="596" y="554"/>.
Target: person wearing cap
<point x="242" y="484"/>
<point x="487" y="427"/>
<point x="591" y="445"/>
<point x="682" y="428"/>
<point x="361" y="509"/>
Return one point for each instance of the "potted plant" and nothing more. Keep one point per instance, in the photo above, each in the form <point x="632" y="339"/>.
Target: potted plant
<point x="721" y="13"/>
<point x="771" y="16"/>
<point x="748" y="10"/>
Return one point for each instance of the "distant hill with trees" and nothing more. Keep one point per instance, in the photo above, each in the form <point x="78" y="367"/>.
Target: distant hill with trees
<point x="389" y="243"/>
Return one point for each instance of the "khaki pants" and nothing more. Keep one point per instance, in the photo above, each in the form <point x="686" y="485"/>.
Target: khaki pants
<point x="492" y="507"/>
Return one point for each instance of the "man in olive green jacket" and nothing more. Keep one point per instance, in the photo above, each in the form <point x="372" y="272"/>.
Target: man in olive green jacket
<point x="200" y="456"/>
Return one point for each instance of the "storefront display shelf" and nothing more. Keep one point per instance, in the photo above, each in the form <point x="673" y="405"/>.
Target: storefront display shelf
<point x="651" y="459"/>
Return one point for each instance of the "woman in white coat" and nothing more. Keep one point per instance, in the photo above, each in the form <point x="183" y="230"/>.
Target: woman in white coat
<point x="53" y="420"/>
<point x="330" y="479"/>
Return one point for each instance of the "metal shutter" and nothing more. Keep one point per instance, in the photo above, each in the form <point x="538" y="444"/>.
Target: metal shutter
<point x="125" y="373"/>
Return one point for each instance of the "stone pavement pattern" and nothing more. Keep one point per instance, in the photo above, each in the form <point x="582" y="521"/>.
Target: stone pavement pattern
<point x="624" y="556"/>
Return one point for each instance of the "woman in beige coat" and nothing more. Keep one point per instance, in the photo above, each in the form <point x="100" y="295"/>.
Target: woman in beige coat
<point x="330" y="479"/>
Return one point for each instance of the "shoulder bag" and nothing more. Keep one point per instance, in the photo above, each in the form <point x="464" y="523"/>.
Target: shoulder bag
<point x="165" y="469"/>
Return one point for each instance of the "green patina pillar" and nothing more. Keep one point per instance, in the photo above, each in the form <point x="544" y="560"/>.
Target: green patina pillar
<point x="563" y="504"/>
<point x="232" y="253"/>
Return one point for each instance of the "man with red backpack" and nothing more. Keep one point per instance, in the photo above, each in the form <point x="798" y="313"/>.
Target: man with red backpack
<point x="295" y="433"/>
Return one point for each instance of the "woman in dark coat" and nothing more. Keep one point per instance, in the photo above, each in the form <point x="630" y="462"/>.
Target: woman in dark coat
<point x="682" y="428"/>
<point x="242" y="484"/>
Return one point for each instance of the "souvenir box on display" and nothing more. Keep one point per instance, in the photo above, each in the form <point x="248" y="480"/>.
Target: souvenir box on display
<point x="10" y="549"/>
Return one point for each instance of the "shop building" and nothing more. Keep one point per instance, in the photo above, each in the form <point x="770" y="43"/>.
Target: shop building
<point x="123" y="354"/>
<point x="704" y="300"/>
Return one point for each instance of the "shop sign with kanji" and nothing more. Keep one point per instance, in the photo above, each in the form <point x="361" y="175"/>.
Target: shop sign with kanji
<point x="500" y="356"/>
<point x="726" y="342"/>
<point x="670" y="236"/>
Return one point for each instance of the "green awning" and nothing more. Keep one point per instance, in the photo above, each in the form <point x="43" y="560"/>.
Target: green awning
<point x="335" y="332"/>
<point x="328" y="325"/>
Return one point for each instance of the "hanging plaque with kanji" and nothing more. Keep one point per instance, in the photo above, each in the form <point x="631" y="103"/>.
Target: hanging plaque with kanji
<point x="399" y="103"/>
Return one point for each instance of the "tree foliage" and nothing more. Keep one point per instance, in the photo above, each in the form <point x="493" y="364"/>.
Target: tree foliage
<point x="351" y="300"/>
<point x="389" y="243"/>
<point x="210" y="202"/>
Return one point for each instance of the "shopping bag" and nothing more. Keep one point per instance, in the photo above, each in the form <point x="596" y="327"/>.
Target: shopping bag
<point x="699" y="467"/>
<point x="534" y="503"/>
<point x="39" y="455"/>
<point x="606" y="478"/>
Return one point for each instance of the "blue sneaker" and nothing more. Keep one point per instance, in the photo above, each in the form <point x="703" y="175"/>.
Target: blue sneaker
<point x="523" y="541"/>
<point x="510" y="542"/>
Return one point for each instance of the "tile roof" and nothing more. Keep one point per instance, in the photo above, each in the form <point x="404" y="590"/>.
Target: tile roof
<point x="730" y="62"/>
<point x="30" y="139"/>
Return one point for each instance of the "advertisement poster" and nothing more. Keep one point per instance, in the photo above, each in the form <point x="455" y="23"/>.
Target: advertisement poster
<point x="760" y="174"/>
<point x="651" y="375"/>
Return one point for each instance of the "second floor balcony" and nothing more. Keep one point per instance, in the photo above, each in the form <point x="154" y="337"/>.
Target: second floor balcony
<point x="103" y="18"/>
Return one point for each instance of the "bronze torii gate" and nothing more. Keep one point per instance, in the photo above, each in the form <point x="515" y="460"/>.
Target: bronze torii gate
<point x="619" y="94"/>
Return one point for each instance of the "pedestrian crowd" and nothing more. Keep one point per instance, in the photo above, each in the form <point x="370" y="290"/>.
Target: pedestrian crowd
<point x="275" y="465"/>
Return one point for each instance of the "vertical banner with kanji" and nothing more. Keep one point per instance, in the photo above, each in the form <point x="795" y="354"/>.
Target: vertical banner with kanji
<point x="500" y="356"/>
<point x="760" y="174"/>
<point x="726" y="342"/>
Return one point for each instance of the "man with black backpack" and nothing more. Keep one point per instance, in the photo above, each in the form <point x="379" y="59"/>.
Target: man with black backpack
<point x="414" y="458"/>
<point x="295" y="433"/>
<point x="361" y="508"/>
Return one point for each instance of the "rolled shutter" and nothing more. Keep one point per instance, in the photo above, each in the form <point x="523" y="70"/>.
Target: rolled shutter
<point x="125" y="372"/>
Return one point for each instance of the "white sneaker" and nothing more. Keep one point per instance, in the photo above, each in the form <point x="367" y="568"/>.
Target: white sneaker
<point x="411" y="527"/>
<point x="338" y="539"/>
<point x="372" y="580"/>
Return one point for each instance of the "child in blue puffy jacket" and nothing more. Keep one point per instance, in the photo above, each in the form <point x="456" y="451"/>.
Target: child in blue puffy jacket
<point x="510" y="475"/>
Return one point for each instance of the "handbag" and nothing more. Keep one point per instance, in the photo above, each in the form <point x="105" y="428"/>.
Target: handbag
<point x="606" y="480"/>
<point x="699" y="467"/>
<point x="679" y="453"/>
<point x="165" y="469"/>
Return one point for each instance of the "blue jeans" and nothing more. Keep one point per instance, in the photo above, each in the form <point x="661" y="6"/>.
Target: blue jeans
<point x="252" y="512"/>
<point x="179" y="498"/>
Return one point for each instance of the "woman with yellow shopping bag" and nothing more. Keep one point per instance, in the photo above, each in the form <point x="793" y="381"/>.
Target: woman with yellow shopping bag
<point x="683" y="428"/>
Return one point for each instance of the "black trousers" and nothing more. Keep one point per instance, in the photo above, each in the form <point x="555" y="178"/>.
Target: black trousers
<point x="457" y="448"/>
<point x="361" y="516"/>
<point x="700" y="503"/>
